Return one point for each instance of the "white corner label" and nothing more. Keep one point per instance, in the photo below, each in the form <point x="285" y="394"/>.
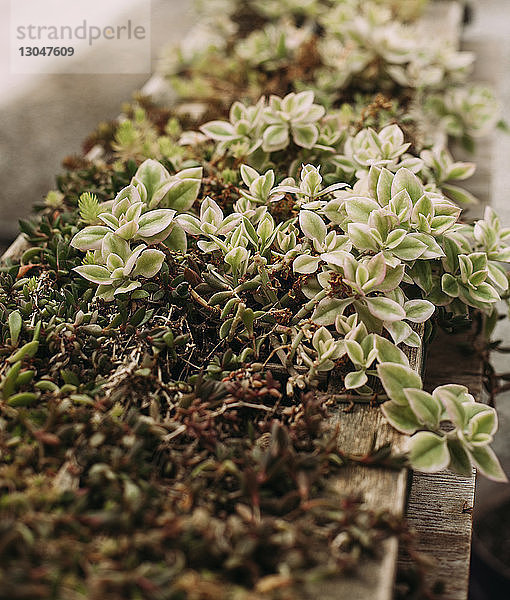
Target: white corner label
<point x="80" y="36"/>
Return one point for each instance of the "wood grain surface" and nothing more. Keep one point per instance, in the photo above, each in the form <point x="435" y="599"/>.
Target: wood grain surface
<point x="381" y="488"/>
<point x="440" y="505"/>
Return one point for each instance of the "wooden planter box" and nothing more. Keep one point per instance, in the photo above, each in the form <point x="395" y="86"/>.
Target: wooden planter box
<point x="438" y="506"/>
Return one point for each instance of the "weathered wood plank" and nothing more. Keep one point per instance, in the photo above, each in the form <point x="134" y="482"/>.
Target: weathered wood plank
<point x="439" y="510"/>
<point x="440" y="504"/>
<point x="455" y="358"/>
<point x="382" y="489"/>
<point x="16" y="249"/>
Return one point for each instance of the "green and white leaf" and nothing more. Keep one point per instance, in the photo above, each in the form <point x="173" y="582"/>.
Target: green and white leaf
<point x="428" y="452"/>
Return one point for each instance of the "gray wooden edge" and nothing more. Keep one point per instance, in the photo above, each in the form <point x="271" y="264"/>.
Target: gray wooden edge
<point x="16" y="249"/>
<point x="440" y="505"/>
<point x="383" y="489"/>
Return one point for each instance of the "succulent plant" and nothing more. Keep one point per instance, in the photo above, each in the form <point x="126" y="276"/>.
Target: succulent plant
<point x="158" y="188"/>
<point x="462" y="445"/>
<point x="116" y="268"/>
<point x="327" y="228"/>
<point x="294" y="116"/>
<point x="471" y="111"/>
<point x="371" y="149"/>
<point x="269" y="127"/>
<point x="309" y="188"/>
<point x="241" y="133"/>
<point x="127" y="220"/>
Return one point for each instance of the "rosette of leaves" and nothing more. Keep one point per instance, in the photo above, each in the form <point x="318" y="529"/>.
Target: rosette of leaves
<point x="462" y="444"/>
<point x="371" y="45"/>
<point x="260" y="186"/>
<point x="158" y="188"/>
<point x="287" y="241"/>
<point x="370" y="286"/>
<point x="370" y="48"/>
<point x="441" y="169"/>
<point x="117" y="268"/>
<point x="294" y="116"/>
<point x="359" y="346"/>
<point x="362" y="349"/>
<point x="465" y="112"/>
<point x="273" y="46"/>
<point x="354" y="343"/>
<point x="309" y="189"/>
<point x="473" y="273"/>
<point x="235" y="236"/>
<point x="400" y="219"/>
<point x="382" y="237"/>
<point x="494" y="240"/>
<point x="331" y="246"/>
<point x="369" y="148"/>
<point x="241" y="135"/>
<point x="270" y="127"/>
<point x="406" y="230"/>
<point x="468" y="279"/>
<point x="176" y="192"/>
<point x="431" y="65"/>
<point x="410" y="225"/>
<point x="129" y="220"/>
<point x="133" y="215"/>
<point x="327" y="348"/>
<point x="378" y="34"/>
<point x="211" y="222"/>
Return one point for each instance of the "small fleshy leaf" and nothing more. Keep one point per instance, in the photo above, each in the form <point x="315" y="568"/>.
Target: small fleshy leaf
<point x="149" y="263"/>
<point x="94" y="273"/>
<point x="89" y="238"/>
<point x="428" y="452"/>
<point x="395" y="378"/>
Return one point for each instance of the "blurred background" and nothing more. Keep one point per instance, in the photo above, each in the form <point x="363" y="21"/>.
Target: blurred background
<point x="488" y="35"/>
<point x="44" y="118"/>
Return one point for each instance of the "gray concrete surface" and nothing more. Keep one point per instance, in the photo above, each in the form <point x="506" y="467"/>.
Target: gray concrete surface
<point x="44" y="118"/>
